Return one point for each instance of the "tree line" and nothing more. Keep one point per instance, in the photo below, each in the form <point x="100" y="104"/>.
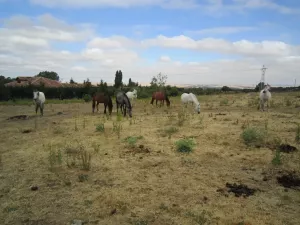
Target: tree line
<point x="158" y="82"/>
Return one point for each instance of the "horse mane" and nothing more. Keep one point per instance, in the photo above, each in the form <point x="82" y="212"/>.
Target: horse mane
<point x="127" y="99"/>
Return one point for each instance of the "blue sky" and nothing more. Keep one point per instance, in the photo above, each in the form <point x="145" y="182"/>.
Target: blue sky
<point x="154" y="36"/>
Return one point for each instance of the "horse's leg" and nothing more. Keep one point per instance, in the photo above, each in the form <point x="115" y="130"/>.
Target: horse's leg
<point x="97" y="106"/>
<point x="105" y="105"/>
<point x="36" y="108"/>
<point x="42" y="109"/>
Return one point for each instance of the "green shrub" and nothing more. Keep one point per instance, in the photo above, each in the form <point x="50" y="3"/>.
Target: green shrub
<point x="185" y="145"/>
<point x="253" y="136"/>
<point x="87" y="97"/>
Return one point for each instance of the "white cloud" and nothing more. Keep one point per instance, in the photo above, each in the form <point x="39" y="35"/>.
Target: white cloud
<point x="221" y="30"/>
<point x="26" y="48"/>
<point x="243" y="47"/>
<point x="164" y="59"/>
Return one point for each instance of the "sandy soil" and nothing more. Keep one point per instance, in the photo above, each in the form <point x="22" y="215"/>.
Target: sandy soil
<point x="150" y="182"/>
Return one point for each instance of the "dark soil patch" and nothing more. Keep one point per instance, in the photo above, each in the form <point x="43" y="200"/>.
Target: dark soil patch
<point x="287" y="148"/>
<point x="220" y="114"/>
<point x="138" y="149"/>
<point x="19" y="117"/>
<point x="240" y="190"/>
<point x="26" y="131"/>
<point x="289" y="180"/>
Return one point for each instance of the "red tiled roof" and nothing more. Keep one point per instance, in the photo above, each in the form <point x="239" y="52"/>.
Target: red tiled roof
<point x="35" y="81"/>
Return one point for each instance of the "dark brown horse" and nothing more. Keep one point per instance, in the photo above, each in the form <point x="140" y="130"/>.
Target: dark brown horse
<point x="102" y="98"/>
<point x="160" y="96"/>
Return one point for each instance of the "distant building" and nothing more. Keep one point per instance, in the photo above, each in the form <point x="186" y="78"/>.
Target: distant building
<point x="38" y="81"/>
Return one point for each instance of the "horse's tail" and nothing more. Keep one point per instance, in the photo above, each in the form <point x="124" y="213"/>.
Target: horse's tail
<point x="94" y="101"/>
<point x="153" y="97"/>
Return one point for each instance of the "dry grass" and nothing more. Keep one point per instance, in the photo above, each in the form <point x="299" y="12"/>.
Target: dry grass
<point x="99" y="178"/>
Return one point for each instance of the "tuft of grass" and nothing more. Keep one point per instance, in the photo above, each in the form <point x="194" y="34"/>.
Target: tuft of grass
<point x="75" y="128"/>
<point x="185" y="145"/>
<point x="100" y="127"/>
<point x="297" y="138"/>
<point x="96" y="147"/>
<point x="202" y="218"/>
<point x="224" y="102"/>
<point x="169" y="131"/>
<point x="54" y="158"/>
<point x="86" y="160"/>
<point x="288" y="102"/>
<point x="182" y="116"/>
<point x="117" y="128"/>
<point x="276" y="161"/>
<point x="131" y="140"/>
<point x="253" y="136"/>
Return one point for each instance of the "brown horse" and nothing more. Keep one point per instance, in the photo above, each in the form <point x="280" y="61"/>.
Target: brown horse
<point x="160" y="96"/>
<point x="102" y="98"/>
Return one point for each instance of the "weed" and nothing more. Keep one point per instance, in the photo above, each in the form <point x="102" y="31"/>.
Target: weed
<point x="139" y="222"/>
<point x="96" y="147"/>
<point x="86" y="160"/>
<point x="57" y="130"/>
<point x="224" y="102"/>
<point x="181" y="117"/>
<point x="100" y="127"/>
<point x="288" y="102"/>
<point x="169" y="131"/>
<point x="55" y="158"/>
<point x="203" y="218"/>
<point x="117" y="127"/>
<point x="119" y="117"/>
<point x="297" y="138"/>
<point x="76" y="128"/>
<point x="83" y="177"/>
<point x="253" y="136"/>
<point x="131" y="140"/>
<point x="185" y="145"/>
<point x="276" y="161"/>
<point x="83" y="124"/>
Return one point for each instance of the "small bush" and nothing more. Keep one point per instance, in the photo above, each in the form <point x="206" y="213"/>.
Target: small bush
<point x="276" y="161"/>
<point x="87" y="97"/>
<point x="100" y="127"/>
<point x="185" y="145"/>
<point x="253" y="136"/>
<point x="224" y="102"/>
<point x="131" y="140"/>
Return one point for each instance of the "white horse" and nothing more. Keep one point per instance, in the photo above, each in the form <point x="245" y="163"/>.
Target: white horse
<point x="186" y="98"/>
<point x="265" y="96"/>
<point x="132" y="95"/>
<point x="39" y="99"/>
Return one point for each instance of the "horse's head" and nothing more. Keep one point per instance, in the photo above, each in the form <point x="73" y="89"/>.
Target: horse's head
<point x="129" y="110"/>
<point x="197" y="108"/>
<point x="36" y="95"/>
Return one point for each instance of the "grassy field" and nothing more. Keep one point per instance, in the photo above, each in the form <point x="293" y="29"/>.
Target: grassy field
<point x="164" y="166"/>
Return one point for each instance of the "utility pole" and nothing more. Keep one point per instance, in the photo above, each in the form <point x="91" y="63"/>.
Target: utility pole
<point x="295" y="83"/>
<point x="262" y="80"/>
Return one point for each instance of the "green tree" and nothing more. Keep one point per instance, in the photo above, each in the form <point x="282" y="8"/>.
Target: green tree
<point x="159" y="81"/>
<point x="102" y="87"/>
<point x="225" y="89"/>
<point x="72" y="81"/>
<point x="48" y="74"/>
<point x="259" y="86"/>
<point x="118" y="79"/>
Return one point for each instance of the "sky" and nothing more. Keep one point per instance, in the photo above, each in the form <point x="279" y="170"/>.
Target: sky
<point x="199" y="42"/>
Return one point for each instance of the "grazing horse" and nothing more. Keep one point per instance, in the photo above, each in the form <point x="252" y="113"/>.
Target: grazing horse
<point x="265" y="96"/>
<point x="100" y="97"/>
<point x="186" y="98"/>
<point x="39" y="99"/>
<point x="160" y="96"/>
<point x="132" y="95"/>
<point x="123" y="101"/>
